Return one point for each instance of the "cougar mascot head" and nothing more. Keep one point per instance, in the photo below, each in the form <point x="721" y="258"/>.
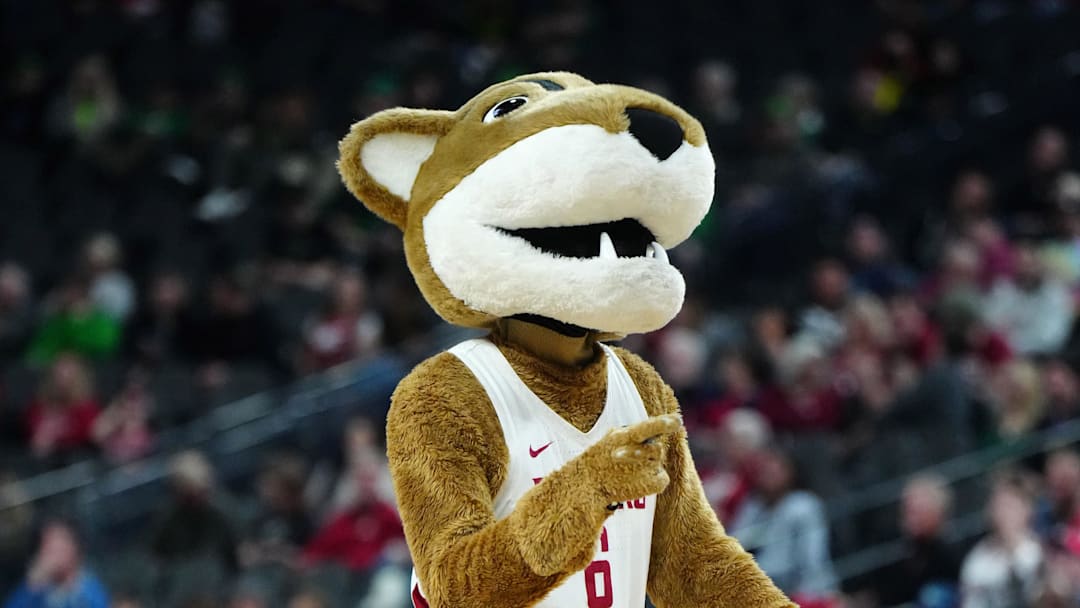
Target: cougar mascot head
<point x="539" y="466"/>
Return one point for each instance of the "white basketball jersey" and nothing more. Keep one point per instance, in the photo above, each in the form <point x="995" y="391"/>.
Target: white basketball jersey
<point x="539" y="442"/>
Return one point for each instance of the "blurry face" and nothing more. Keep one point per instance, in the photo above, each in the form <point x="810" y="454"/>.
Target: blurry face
<point x="359" y="437"/>
<point x="1049" y="150"/>
<point x="770" y="325"/>
<point x="226" y="298"/>
<point x="682" y="358"/>
<point x="271" y="490"/>
<point x="59" y="544"/>
<point x="715" y="82"/>
<point x="921" y="513"/>
<point x="168" y="293"/>
<point x="1063" y="477"/>
<point x="1060" y="382"/>
<point x="1010" y="389"/>
<point x="1029" y="271"/>
<point x="349" y="293"/>
<point x="1010" y="512"/>
<point x="961" y="263"/>
<point x="945" y="57"/>
<point x="736" y="375"/>
<point x="830" y="284"/>
<point x="66" y="376"/>
<point x="907" y="317"/>
<point x="864" y="88"/>
<point x="971" y="194"/>
<point x="367" y="484"/>
<point x="773" y="474"/>
<point x="13" y="287"/>
<point x="866" y="242"/>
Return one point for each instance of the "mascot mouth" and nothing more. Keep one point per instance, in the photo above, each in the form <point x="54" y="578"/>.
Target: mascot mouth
<point x="625" y="238"/>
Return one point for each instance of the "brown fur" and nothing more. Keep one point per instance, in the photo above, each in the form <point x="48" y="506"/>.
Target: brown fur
<point x="448" y="461"/>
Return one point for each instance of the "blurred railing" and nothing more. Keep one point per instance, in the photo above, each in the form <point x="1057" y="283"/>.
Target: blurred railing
<point x="963" y="468"/>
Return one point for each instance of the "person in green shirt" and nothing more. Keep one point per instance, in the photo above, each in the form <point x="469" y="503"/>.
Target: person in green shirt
<point x="74" y="325"/>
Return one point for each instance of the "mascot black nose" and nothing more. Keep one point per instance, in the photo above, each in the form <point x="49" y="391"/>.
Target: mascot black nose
<point x="659" y="133"/>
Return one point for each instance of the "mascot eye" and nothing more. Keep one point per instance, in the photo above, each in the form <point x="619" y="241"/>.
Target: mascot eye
<point x="504" y="107"/>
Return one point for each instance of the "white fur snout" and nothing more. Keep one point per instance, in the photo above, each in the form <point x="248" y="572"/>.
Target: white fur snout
<point x="571" y="175"/>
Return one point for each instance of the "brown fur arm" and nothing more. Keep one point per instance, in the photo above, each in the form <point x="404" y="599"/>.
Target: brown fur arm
<point x="694" y="563"/>
<point x="448" y="459"/>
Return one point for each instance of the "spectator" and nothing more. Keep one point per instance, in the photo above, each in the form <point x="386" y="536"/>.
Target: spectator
<point x="958" y="273"/>
<point x="941" y="403"/>
<point x="60" y="420"/>
<point x="918" y="338"/>
<point x="111" y="290"/>
<point x="809" y="399"/>
<point x="874" y="268"/>
<point x="971" y="200"/>
<point x="123" y="429"/>
<point x="970" y="204"/>
<point x="346" y="329"/>
<point x="786" y="530"/>
<point x="191" y="527"/>
<point x="282" y="525"/>
<point x="75" y="324"/>
<point x="746" y="382"/>
<point x="154" y="334"/>
<point x="770" y="329"/>
<point x="823" y="320"/>
<point x="1018" y="400"/>
<point x="1003" y="570"/>
<point x="362" y="455"/>
<point x="997" y="255"/>
<point x="930" y="563"/>
<point x="681" y="356"/>
<point x="870" y="341"/>
<point x="90" y="106"/>
<point x="1061" y="254"/>
<point x="1060" y="501"/>
<point x="717" y="106"/>
<point x="1033" y="310"/>
<point x="1031" y="206"/>
<point x="358" y="536"/>
<point x="741" y="436"/>
<point x="1062" y="389"/>
<point x="57" y="577"/>
<point x="16" y="310"/>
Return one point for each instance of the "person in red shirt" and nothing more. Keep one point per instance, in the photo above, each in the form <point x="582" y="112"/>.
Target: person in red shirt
<point x="61" y="418"/>
<point x="345" y="330"/>
<point x="358" y="536"/>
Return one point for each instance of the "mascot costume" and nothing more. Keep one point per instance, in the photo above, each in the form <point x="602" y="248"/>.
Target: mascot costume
<point x="538" y="466"/>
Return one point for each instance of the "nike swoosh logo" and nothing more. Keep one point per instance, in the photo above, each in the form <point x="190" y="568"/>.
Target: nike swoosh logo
<point x="535" y="453"/>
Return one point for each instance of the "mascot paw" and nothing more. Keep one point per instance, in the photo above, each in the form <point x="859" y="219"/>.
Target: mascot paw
<point x="628" y="462"/>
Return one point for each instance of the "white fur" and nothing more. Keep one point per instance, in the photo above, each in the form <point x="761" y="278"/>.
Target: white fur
<point x="394" y="159"/>
<point x="566" y="176"/>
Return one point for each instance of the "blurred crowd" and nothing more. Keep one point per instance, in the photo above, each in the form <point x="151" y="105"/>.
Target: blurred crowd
<point x="887" y="280"/>
<point x="320" y="533"/>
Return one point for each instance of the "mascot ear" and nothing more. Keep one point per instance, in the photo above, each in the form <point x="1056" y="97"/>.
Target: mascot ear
<point x="382" y="154"/>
